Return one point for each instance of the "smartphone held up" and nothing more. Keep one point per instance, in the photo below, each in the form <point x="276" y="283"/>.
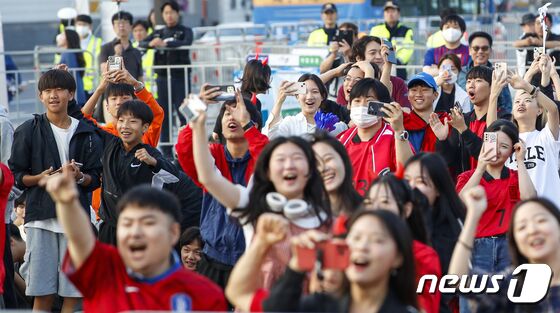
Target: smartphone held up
<point x="490" y="144"/>
<point x="332" y="254"/>
<point x="191" y="107"/>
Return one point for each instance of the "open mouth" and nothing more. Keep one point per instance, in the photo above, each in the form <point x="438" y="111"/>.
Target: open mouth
<point x="471" y="94"/>
<point x="137" y="249"/>
<point x="328" y="177"/>
<point x="126" y="134"/>
<point x="537" y="243"/>
<point x="521" y="109"/>
<point x="290" y="177"/>
<point x="359" y="263"/>
<point x="232" y="126"/>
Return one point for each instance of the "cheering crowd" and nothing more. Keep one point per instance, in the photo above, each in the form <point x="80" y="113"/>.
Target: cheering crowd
<point x="342" y="207"/>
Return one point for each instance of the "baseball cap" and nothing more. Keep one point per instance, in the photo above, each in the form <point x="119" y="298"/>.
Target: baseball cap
<point x="425" y="78"/>
<point x="528" y="18"/>
<point x="392" y="4"/>
<point x="328" y="7"/>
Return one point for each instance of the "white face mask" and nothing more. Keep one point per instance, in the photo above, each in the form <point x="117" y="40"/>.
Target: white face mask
<point x="83" y="31"/>
<point x="451" y="34"/>
<point x="453" y="78"/>
<point x="359" y="115"/>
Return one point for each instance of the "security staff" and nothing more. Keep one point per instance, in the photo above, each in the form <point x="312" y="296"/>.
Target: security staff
<point x="92" y="45"/>
<point x="399" y="35"/>
<point x="323" y="36"/>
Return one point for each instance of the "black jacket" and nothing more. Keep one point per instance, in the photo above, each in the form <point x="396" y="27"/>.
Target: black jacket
<point x="190" y="198"/>
<point x="34" y="150"/>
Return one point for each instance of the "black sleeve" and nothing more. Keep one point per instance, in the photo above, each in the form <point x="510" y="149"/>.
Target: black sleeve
<point x="190" y="198"/>
<point x="450" y="149"/>
<point x="20" y="159"/>
<point x="186" y="40"/>
<point x="285" y="295"/>
<point x="104" y="53"/>
<point x="93" y="166"/>
<point x="473" y="143"/>
<point x="75" y="111"/>
<point x="146" y="42"/>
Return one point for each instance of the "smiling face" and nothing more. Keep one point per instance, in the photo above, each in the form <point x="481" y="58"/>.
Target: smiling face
<point x="373" y="54"/>
<point x="191" y="254"/>
<point x="381" y="197"/>
<point x="56" y="100"/>
<point x="289" y="170"/>
<point x="418" y="178"/>
<point x="422" y="97"/>
<point x="525" y="107"/>
<point x="145" y="238"/>
<point x="536" y="232"/>
<point x="131" y="129"/>
<point x="478" y="91"/>
<point x="480" y="51"/>
<point x="373" y="252"/>
<point x="114" y="102"/>
<point x="331" y="166"/>
<point x="354" y="75"/>
<point x="311" y="100"/>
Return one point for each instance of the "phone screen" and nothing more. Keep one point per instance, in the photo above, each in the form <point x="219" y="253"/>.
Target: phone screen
<point x="374" y="108"/>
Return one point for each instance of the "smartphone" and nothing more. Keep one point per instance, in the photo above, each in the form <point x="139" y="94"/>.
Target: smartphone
<point x="537" y="51"/>
<point x="191" y="106"/>
<point x="391" y="57"/>
<point x="334" y="254"/>
<point x="78" y="164"/>
<point x="374" y="108"/>
<point x="114" y="63"/>
<point x="491" y="144"/>
<point x="458" y="107"/>
<point x="347" y="35"/>
<point x="300" y="89"/>
<point x="500" y="68"/>
<point x="228" y="92"/>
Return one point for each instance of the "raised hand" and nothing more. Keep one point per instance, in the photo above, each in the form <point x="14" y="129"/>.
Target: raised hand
<point x="457" y="120"/>
<point x="207" y="94"/>
<point x="61" y="186"/>
<point x="144" y="156"/>
<point x="475" y="201"/>
<point x="239" y="112"/>
<point x="440" y="129"/>
<point x="308" y="240"/>
<point x="271" y="228"/>
<point x="394" y="114"/>
<point x="516" y="81"/>
<point x="519" y="149"/>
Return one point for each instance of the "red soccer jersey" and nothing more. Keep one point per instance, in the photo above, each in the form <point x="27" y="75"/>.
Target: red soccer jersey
<point x="502" y="194"/>
<point x="426" y="262"/>
<point x="370" y="158"/>
<point x="478" y="127"/>
<point x="107" y="287"/>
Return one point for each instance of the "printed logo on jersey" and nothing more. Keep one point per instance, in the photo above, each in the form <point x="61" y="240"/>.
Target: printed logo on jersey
<point x="181" y="302"/>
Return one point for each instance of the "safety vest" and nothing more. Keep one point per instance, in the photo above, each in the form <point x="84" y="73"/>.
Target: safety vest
<point x="90" y="58"/>
<point x="401" y="38"/>
<point x="147" y="64"/>
<point x="317" y="38"/>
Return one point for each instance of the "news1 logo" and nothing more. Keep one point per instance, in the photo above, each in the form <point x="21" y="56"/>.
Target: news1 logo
<point x="529" y="283"/>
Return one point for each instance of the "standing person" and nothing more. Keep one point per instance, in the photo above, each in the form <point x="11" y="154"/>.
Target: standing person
<point x="174" y="35"/>
<point x="453" y="27"/>
<point x="324" y="35"/>
<point x="400" y="35"/>
<point x="145" y="272"/>
<point x="536" y="39"/>
<point x="139" y="33"/>
<point x="75" y="61"/>
<point x="92" y="44"/>
<point x="527" y="37"/>
<point x="449" y="92"/>
<point x="122" y="25"/>
<point x="41" y="145"/>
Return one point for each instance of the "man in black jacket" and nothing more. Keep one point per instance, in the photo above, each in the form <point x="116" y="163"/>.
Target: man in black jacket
<point x="43" y="144"/>
<point x="174" y="35"/>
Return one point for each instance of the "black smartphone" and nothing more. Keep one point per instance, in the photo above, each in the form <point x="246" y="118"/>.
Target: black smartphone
<point x="347" y="35"/>
<point x="374" y="108"/>
<point x="391" y="57"/>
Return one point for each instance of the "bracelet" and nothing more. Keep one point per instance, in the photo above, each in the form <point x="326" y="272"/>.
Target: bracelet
<point x="465" y="245"/>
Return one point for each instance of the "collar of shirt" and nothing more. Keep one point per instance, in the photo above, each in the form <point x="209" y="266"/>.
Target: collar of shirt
<point x="231" y="159"/>
<point x="175" y="265"/>
<point x="503" y="175"/>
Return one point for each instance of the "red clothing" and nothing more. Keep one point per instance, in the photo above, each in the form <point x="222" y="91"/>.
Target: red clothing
<point x="478" y="127"/>
<point x="184" y="149"/>
<point x="426" y="261"/>
<point x="5" y="188"/>
<point x="502" y="194"/>
<point x="370" y="158"/>
<point x="399" y="93"/>
<point x="413" y="123"/>
<point x="258" y="299"/>
<point x="107" y="287"/>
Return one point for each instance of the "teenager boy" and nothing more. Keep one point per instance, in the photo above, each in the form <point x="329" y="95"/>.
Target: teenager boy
<point x="41" y="145"/>
<point x="144" y="272"/>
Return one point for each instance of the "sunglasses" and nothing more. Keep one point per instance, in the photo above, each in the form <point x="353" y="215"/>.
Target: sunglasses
<point x="483" y="48"/>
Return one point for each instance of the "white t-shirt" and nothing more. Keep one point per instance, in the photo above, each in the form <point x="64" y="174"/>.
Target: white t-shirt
<point x="541" y="161"/>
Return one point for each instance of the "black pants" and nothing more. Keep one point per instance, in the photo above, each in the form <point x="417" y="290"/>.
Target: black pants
<point x="177" y="97"/>
<point x="108" y="233"/>
<point x="215" y="271"/>
<point x="10" y="299"/>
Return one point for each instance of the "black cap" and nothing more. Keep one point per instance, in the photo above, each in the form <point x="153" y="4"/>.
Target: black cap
<point x="84" y="18"/>
<point x="328" y="7"/>
<point x="528" y="18"/>
<point x="394" y="4"/>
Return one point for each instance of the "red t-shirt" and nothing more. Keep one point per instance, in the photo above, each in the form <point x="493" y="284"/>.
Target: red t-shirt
<point x="502" y="195"/>
<point x="106" y="286"/>
<point x="370" y="158"/>
<point x="478" y="127"/>
<point x="426" y="261"/>
<point x="5" y="188"/>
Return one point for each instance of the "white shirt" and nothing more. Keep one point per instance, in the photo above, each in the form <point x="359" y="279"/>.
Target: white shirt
<point x="460" y="95"/>
<point x="295" y="125"/>
<point x="541" y="160"/>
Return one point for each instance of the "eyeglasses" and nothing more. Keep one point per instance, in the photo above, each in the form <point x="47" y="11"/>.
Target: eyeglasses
<point x="349" y="79"/>
<point x="483" y="48"/>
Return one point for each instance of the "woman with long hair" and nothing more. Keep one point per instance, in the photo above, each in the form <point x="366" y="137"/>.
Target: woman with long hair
<point x="69" y="39"/>
<point x="449" y="92"/>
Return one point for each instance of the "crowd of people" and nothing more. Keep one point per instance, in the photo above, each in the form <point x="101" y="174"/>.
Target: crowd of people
<point x="343" y="207"/>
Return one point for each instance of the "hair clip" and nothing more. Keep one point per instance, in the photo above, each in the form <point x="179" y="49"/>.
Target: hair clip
<point x="265" y="61"/>
<point x="257" y="56"/>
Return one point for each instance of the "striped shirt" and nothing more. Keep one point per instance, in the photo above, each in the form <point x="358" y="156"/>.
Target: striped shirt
<point x="433" y="55"/>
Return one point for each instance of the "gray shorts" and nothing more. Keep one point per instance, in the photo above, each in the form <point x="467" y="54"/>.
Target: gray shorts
<point x="41" y="269"/>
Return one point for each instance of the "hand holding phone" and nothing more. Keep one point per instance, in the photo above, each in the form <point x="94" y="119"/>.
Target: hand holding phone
<point x="490" y="146"/>
<point x="332" y="255"/>
<point x="298" y="88"/>
<point x="191" y="107"/>
<point x="391" y="57"/>
<point x="374" y="108"/>
<point x="228" y="92"/>
<point x="501" y="69"/>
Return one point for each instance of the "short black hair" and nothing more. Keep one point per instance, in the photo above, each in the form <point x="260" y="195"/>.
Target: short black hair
<point x="122" y="15"/>
<point x="190" y="235"/>
<point x="142" y="23"/>
<point x="322" y="89"/>
<point x="507" y="128"/>
<point x="351" y="26"/>
<point x="480" y="71"/>
<point x="363" y="87"/>
<point x="251" y="108"/>
<point x="55" y="78"/>
<point x="21" y="199"/>
<point x="84" y="18"/>
<point x="146" y="196"/>
<point x="483" y="35"/>
<point x="138" y="109"/>
<point x="119" y="90"/>
<point x="359" y="47"/>
<point x="453" y="18"/>
<point x="14" y="232"/>
<point x="173" y="6"/>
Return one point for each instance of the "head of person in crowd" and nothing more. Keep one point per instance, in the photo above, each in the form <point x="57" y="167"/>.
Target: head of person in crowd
<point x="479" y="81"/>
<point x="538" y="26"/>
<point x="528" y="23"/>
<point x="368" y="48"/>
<point x="480" y="47"/>
<point x="140" y="30"/>
<point x="170" y="12"/>
<point x="336" y="169"/>
<point x="452" y="27"/>
<point x="527" y="109"/>
<point x="17" y="244"/>
<point x="117" y="94"/>
<point x="152" y="18"/>
<point x="449" y="68"/>
<point x="315" y="96"/>
<point x="534" y="232"/>
<point x="228" y="129"/>
<point x="347" y="26"/>
<point x="391" y="13"/>
<point x="133" y="120"/>
<point x="19" y="210"/>
<point x="68" y="39"/>
<point x="288" y="166"/>
<point x="426" y="172"/>
<point x="393" y="194"/>
<point x="422" y="92"/>
<point x="56" y="89"/>
<point x="148" y="230"/>
<point x="122" y="24"/>
<point x="508" y="136"/>
<point x="256" y="77"/>
<point x="354" y="74"/>
<point x="329" y="15"/>
<point x="191" y="245"/>
<point x="367" y="89"/>
<point x="381" y="255"/>
<point x="84" y="25"/>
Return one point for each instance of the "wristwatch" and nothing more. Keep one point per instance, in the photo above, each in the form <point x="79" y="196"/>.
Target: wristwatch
<point x="140" y="86"/>
<point x="534" y="91"/>
<point x="403" y="136"/>
<point x="248" y="125"/>
<point x="81" y="180"/>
